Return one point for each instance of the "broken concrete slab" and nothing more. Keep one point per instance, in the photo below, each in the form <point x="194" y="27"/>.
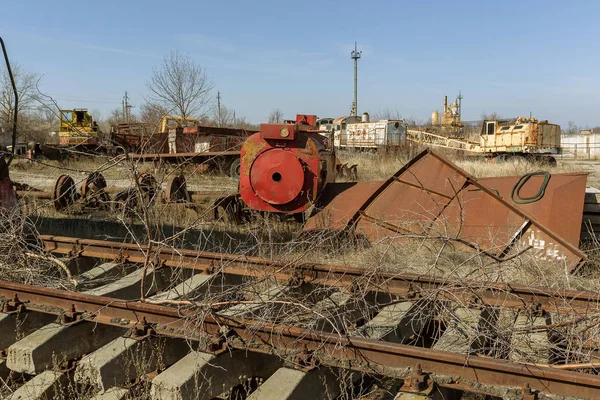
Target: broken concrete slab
<point x="463" y="334"/>
<point x="109" y="270"/>
<point x="528" y="344"/>
<point x="261" y="299"/>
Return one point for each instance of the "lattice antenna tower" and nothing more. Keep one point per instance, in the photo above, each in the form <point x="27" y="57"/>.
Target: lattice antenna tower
<point x="355" y="55"/>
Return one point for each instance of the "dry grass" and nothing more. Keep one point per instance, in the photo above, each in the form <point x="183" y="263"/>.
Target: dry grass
<point x="373" y="166"/>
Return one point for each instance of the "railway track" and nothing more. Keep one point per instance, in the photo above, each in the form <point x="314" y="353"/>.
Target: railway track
<point x="215" y="325"/>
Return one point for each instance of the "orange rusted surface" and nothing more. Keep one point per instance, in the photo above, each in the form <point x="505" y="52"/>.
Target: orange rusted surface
<point x="431" y="197"/>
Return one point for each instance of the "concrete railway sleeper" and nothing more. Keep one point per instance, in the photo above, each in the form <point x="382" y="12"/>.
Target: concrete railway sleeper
<point x="105" y="341"/>
<point x="358" y="279"/>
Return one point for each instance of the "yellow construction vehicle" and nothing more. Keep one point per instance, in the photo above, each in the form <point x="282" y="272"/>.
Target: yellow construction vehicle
<point x="164" y="122"/>
<point x="77" y="127"/>
<point x="504" y="139"/>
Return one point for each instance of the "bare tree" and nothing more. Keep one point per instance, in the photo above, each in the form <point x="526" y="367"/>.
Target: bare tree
<point x="180" y="84"/>
<point x="490" y="116"/>
<point x="227" y="117"/>
<point x="151" y="114"/>
<point x="386" y="114"/>
<point x="571" y="129"/>
<point x="26" y="82"/>
<point x="276" y="116"/>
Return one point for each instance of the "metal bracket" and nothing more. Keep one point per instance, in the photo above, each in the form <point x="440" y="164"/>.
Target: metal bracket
<point x="14" y="306"/>
<point x="141" y="330"/>
<point x="534" y="309"/>
<point x="306" y="360"/>
<point x="218" y="344"/>
<point x="71" y="317"/>
<point x="121" y="258"/>
<point x="413" y="293"/>
<point x="418" y="382"/>
<point x="211" y="269"/>
<point x="527" y="393"/>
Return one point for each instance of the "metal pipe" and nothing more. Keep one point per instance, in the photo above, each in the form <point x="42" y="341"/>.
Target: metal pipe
<point x="15" y="112"/>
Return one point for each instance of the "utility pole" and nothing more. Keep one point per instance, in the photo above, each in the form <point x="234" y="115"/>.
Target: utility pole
<point x="126" y="107"/>
<point x="355" y="55"/>
<point x="219" y="108"/>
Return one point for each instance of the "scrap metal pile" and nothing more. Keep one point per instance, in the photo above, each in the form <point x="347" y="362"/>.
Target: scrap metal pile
<point x="173" y="323"/>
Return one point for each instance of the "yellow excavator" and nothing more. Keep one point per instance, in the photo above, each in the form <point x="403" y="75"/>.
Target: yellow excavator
<point x="77" y="127"/>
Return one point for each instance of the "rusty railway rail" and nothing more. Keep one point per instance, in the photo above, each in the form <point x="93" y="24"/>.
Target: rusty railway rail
<point x="365" y="355"/>
<point x="403" y="285"/>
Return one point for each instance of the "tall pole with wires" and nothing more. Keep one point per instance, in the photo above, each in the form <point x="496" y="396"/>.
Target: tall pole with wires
<point x="355" y="55"/>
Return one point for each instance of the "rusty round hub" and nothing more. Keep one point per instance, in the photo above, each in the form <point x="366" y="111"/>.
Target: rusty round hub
<point x="147" y="182"/>
<point x="176" y="190"/>
<point x="94" y="182"/>
<point x="277" y="176"/>
<point x="64" y="192"/>
<point x="125" y="201"/>
<point x="148" y="186"/>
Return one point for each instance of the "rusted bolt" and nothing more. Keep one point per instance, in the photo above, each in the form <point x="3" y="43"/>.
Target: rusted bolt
<point x="527" y="393"/>
<point x="70" y="317"/>
<point x="141" y="330"/>
<point x="13" y="306"/>
<point x="535" y="308"/>
<point x="418" y="380"/>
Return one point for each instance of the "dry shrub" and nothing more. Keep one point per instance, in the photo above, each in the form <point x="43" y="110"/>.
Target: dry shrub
<point x="23" y="259"/>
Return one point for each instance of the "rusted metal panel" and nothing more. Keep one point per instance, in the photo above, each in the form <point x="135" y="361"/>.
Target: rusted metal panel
<point x="431" y="197"/>
<point x="560" y="209"/>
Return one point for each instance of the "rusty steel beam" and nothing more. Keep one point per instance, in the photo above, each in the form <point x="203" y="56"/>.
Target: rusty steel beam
<point x="359" y="354"/>
<point x="398" y="284"/>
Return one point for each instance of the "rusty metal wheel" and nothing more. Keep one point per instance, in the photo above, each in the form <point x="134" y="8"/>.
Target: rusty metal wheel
<point x="149" y="186"/>
<point x="176" y="190"/>
<point x="230" y="209"/>
<point x="125" y="201"/>
<point x="94" y="182"/>
<point x="64" y="193"/>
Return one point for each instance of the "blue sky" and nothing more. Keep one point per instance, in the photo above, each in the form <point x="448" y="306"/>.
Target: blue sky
<point x="510" y="57"/>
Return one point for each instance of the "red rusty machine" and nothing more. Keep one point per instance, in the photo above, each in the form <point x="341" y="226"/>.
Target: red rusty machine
<point x="285" y="167"/>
